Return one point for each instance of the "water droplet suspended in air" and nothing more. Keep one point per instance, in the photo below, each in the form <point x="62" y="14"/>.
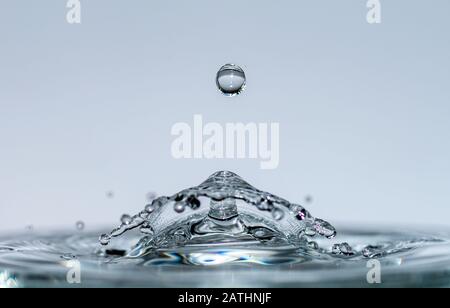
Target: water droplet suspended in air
<point x="105" y="239"/>
<point x="126" y="219"/>
<point x="110" y="194"/>
<point x="80" y="225"/>
<point x="231" y="80"/>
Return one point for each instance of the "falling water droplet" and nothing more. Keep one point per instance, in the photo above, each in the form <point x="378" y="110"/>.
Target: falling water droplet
<point x="110" y="194"/>
<point x="231" y="80"/>
<point x="126" y="219"/>
<point x="80" y="225"/>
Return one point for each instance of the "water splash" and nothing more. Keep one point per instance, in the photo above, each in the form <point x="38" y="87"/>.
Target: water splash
<point x="226" y="230"/>
<point x="408" y="259"/>
<point x="222" y="211"/>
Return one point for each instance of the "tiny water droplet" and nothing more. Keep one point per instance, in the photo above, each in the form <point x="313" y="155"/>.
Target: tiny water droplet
<point x="150" y="208"/>
<point x="105" y="239"/>
<point x="179" y="207"/>
<point x="302" y="214"/>
<point x="233" y="210"/>
<point x="80" y="225"/>
<point x="126" y="219"/>
<point x="231" y="80"/>
<point x="110" y="194"/>
<point x="342" y="249"/>
<point x="324" y="228"/>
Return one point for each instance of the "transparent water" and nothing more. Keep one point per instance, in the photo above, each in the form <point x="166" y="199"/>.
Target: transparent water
<point x="225" y="231"/>
<point x="231" y="80"/>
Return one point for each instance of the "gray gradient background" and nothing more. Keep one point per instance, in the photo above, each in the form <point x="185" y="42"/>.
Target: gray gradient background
<point x="85" y="109"/>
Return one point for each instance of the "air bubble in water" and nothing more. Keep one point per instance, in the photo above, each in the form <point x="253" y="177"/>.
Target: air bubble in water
<point x="231" y="80"/>
<point x="110" y="194"/>
<point x="179" y="207"/>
